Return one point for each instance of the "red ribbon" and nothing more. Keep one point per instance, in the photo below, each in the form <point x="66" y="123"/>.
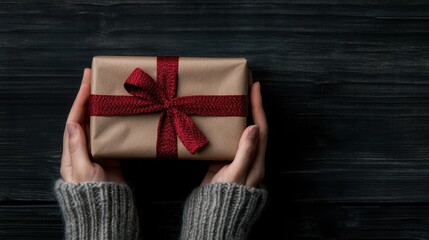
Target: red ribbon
<point x="149" y="96"/>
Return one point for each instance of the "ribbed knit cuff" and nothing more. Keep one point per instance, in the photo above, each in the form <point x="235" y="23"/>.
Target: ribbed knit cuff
<point x="97" y="210"/>
<point x="222" y="211"/>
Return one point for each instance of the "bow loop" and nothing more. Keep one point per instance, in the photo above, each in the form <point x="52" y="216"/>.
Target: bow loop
<point x="140" y="84"/>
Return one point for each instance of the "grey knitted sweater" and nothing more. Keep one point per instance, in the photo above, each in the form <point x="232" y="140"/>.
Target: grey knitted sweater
<point x="106" y="210"/>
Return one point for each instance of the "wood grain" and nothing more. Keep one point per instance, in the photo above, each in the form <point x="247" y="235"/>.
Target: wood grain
<point x="345" y="87"/>
<point x="302" y="222"/>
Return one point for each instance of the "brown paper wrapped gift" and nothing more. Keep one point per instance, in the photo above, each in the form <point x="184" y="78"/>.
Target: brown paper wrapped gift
<point x="134" y="136"/>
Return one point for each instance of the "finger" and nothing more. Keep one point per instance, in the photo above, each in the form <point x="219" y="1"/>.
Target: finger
<point x="246" y="151"/>
<point x="257" y="169"/>
<point x="86" y="128"/>
<point x="78" y="110"/>
<point x="66" y="167"/>
<point x="257" y="108"/>
<point x="78" y="152"/>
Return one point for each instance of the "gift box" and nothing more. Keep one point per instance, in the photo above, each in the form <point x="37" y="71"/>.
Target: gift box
<point x="167" y="107"/>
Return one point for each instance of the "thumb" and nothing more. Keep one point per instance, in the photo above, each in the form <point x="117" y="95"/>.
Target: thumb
<point x="246" y="150"/>
<point x="77" y="148"/>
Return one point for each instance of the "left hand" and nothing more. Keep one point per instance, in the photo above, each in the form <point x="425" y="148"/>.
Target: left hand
<point x="77" y="164"/>
<point x="248" y="167"/>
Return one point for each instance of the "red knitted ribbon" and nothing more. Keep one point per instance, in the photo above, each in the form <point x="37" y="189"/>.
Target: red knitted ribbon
<point x="149" y="96"/>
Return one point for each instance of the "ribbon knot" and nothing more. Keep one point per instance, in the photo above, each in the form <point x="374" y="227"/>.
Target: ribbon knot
<point x="149" y="96"/>
<point x="166" y="104"/>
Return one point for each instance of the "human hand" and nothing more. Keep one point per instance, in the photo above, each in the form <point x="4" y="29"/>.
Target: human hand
<point x="77" y="165"/>
<point x="248" y="167"/>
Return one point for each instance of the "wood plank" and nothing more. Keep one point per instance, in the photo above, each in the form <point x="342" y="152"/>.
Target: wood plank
<point x="41" y="221"/>
<point x="296" y="7"/>
<point x="280" y="221"/>
<point x="344" y="83"/>
<point x="311" y="222"/>
<point x="345" y="89"/>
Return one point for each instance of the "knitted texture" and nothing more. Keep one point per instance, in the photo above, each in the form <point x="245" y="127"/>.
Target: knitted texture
<point x="97" y="210"/>
<point x="221" y="211"/>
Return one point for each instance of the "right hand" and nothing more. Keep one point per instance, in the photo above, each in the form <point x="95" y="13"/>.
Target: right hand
<point x="248" y="167"/>
<point x="77" y="164"/>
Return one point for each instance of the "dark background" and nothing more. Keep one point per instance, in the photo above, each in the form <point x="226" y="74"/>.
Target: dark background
<point x="345" y="87"/>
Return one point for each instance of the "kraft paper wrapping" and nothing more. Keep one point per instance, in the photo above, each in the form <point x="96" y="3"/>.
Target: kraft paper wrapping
<point x="134" y="136"/>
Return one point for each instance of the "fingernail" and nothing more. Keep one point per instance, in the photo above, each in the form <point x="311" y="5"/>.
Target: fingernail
<point x="253" y="132"/>
<point x="71" y="128"/>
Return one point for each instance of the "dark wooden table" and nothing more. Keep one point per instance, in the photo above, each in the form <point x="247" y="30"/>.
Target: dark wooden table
<point x="345" y="86"/>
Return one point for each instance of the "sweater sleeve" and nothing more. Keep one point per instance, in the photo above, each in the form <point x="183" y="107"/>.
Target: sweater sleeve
<point x="97" y="210"/>
<point x="221" y="211"/>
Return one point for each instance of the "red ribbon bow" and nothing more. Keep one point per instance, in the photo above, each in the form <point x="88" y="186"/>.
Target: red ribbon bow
<point x="149" y="96"/>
